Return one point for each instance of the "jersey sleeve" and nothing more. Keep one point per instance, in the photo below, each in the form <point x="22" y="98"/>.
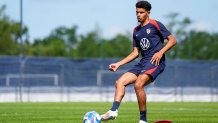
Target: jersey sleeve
<point x="134" y="43"/>
<point x="163" y="30"/>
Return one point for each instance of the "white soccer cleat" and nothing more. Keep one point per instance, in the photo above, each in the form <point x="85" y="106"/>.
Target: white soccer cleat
<point x="141" y="121"/>
<point x="110" y="115"/>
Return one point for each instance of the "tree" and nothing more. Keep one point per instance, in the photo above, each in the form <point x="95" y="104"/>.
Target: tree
<point x="199" y="46"/>
<point x="178" y="27"/>
<point x="49" y="47"/>
<point x="64" y="41"/>
<point x="119" y="46"/>
<point x="88" y="46"/>
<point x="192" y="45"/>
<point x="60" y="42"/>
<point x="68" y="35"/>
<point x="9" y="34"/>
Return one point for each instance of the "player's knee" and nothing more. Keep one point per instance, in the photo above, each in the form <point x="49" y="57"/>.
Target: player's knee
<point x="118" y="83"/>
<point x="138" y="86"/>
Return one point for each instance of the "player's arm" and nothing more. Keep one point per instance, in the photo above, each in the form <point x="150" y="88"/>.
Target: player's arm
<point x="133" y="55"/>
<point x="157" y="56"/>
<point x="171" y="42"/>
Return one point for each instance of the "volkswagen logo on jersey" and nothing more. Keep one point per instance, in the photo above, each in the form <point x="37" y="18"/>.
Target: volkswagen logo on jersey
<point x="144" y="43"/>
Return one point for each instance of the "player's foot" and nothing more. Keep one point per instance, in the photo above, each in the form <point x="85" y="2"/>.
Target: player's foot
<point x="141" y="121"/>
<point x="110" y="115"/>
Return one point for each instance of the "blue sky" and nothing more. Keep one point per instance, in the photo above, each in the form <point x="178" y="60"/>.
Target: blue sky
<point x="111" y="16"/>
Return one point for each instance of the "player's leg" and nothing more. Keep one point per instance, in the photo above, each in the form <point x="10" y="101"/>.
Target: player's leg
<point x="120" y="85"/>
<point x="148" y="75"/>
<point x="142" y="81"/>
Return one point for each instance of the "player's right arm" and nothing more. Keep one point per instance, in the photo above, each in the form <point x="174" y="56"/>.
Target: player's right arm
<point x="133" y="55"/>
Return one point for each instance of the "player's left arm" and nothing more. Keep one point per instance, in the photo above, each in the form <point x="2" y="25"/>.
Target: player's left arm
<point x="157" y="56"/>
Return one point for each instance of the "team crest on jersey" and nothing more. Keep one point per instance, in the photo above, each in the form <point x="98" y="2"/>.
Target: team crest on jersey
<point x="148" y="31"/>
<point x="144" y="43"/>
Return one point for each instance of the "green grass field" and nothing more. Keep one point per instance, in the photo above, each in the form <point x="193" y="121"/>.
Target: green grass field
<point x="128" y="112"/>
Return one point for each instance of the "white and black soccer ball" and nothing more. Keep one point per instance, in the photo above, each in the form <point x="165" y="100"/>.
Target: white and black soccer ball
<point x="92" y="117"/>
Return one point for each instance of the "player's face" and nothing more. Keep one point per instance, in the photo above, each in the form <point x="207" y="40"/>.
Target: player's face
<point x="142" y="14"/>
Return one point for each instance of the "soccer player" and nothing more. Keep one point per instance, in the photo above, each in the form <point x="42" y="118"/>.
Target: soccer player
<point x="148" y="39"/>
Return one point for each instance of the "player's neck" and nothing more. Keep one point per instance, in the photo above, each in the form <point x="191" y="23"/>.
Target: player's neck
<point x="145" y="22"/>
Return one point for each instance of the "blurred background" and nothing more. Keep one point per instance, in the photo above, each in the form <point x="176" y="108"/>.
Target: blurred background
<point x="59" y="50"/>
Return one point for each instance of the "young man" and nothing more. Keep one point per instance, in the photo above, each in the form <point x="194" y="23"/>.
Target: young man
<point x="148" y="38"/>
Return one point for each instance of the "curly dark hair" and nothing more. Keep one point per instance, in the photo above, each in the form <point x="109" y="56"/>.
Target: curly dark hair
<point x="144" y="4"/>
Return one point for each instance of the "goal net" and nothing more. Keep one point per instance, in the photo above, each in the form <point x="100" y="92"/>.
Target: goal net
<point x="32" y="79"/>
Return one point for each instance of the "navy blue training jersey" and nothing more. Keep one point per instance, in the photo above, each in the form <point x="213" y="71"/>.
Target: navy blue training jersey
<point x="150" y="38"/>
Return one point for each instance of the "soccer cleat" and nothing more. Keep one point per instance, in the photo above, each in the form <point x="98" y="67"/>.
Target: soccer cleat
<point x="110" y="115"/>
<point x="141" y="121"/>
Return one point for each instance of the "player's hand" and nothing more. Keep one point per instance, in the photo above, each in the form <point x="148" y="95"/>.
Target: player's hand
<point x="156" y="58"/>
<point x="113" y="67"/>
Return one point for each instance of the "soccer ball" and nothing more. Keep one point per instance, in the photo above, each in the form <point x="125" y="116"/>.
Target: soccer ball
<point x="92" y="117"/>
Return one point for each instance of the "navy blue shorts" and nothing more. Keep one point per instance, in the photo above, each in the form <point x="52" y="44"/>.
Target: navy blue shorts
<point x="145" y="67"/>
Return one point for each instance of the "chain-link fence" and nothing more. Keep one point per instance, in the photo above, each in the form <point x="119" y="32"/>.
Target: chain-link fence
<point x="59" y="79"/>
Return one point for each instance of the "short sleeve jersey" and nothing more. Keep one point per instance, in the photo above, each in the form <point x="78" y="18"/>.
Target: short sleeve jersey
<point x="150" y="38"/>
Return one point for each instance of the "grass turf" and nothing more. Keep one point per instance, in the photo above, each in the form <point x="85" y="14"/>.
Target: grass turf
<point x="128" y="112"/>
